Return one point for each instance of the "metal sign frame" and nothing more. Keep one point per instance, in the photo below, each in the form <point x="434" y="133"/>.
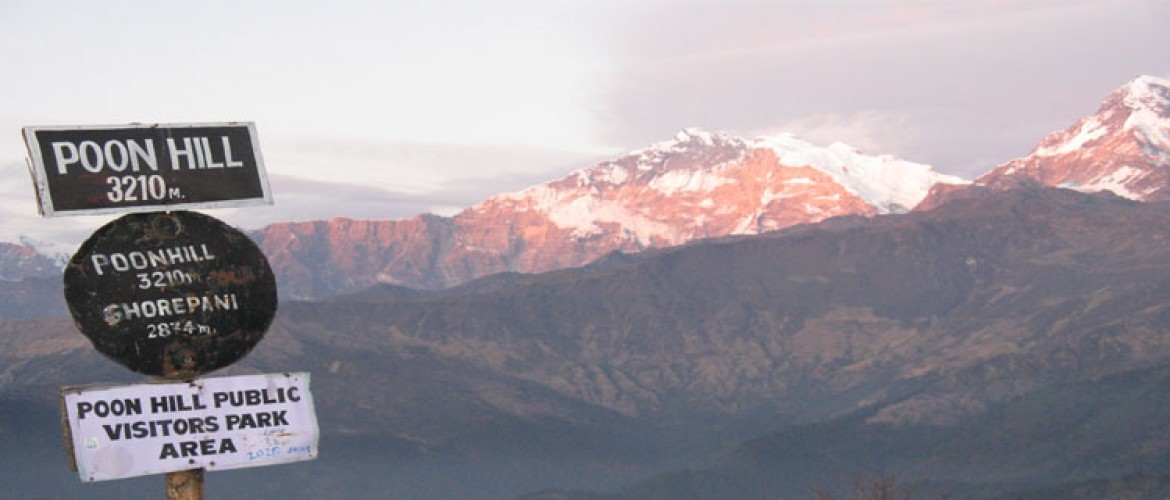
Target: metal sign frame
<point x="106" y="169"/>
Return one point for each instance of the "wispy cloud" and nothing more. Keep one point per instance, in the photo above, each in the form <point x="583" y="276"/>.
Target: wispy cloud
<point x="326" y="178"/>
<point x="957" y="75"/>
<point x="869" y="131"/>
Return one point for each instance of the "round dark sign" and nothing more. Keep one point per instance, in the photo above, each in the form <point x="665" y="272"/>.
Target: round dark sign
<point x="174" y="294"/>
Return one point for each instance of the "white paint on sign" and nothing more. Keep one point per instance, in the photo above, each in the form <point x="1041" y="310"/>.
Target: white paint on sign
<point x="212" y="423"/>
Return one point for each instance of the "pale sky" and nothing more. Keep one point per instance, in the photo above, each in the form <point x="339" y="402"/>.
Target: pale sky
<point x="387" y="109"/>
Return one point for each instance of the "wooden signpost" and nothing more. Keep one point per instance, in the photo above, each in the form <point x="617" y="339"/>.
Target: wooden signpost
<point x="170" y="293"/>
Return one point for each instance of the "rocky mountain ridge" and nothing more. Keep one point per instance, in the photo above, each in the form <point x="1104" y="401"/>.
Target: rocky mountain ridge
<point x="19" y="261"/>
<point x="698" y="185"/>
<point x="939" y="292"/>
<point x="825" y="338"/>
<point x="705" y="185"/>
<point x="695" y="186"/>
<point x="918" y="335"/>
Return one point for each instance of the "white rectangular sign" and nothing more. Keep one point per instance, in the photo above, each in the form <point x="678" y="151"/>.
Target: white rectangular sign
<point x="211" y="423"/>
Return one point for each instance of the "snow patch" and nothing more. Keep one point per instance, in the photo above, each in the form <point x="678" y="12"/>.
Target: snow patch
<point x="748" y="225"/>
<point x="694" y="134"/>
<point x="769" y="196"/>
<point x="583" y="214"/>
<point x="1148" y="93"/>
<point x="1090" y="130"/>
<point x="1015" y="167"/>
<point x="59" y="253"/>
<point x="1152" y="127"/>
<point x="615" y="175"/>
<point x="887" y="183"/>
<point x="688" y="181"/>
<point x="687" y="141"/>
<point x="1117" y="181"/>
<point x="1148" y="99"/>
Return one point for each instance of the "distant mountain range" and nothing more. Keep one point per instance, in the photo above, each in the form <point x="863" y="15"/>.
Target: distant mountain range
<point x="697" y="185"/>
<point x="18" y="261"/>
<point x="929" y="345"/>
<point x="701" y="185"/>
<point x="916" y="310"/>
<point x="711" y="317"/>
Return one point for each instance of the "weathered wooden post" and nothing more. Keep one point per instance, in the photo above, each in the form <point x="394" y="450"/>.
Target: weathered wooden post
<point x="185" y="485"/>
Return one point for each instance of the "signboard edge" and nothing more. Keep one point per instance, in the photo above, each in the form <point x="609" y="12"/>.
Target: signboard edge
<point x="40" y="177"/>
<point x="67" y="430"/>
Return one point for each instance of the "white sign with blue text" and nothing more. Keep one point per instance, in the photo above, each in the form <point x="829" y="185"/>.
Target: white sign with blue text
<point x="210" y="423"/>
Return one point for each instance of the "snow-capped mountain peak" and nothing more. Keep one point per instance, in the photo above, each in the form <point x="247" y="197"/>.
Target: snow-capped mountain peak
<point x="692" y="134"/>
<point x="23" y="260"/>
<point x="888" y="183"/>
<point x="1147" y="93"/>
<point x="690" y="147"/>
<point x="1148" y="99"/>
<point x="1123" y="148"/>
<point x="696" y="184"/>
<point x="702" y="184"/>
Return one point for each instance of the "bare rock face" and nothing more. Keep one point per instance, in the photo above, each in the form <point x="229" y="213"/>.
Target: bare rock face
<point x="1123" y="148"/>
<point x="698" y="185"/>
<point x="317" y="258"/>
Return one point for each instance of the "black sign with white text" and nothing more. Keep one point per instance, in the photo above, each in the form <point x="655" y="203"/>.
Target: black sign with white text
<point x="132" y="168"/>
<point x="173" y="294"/>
